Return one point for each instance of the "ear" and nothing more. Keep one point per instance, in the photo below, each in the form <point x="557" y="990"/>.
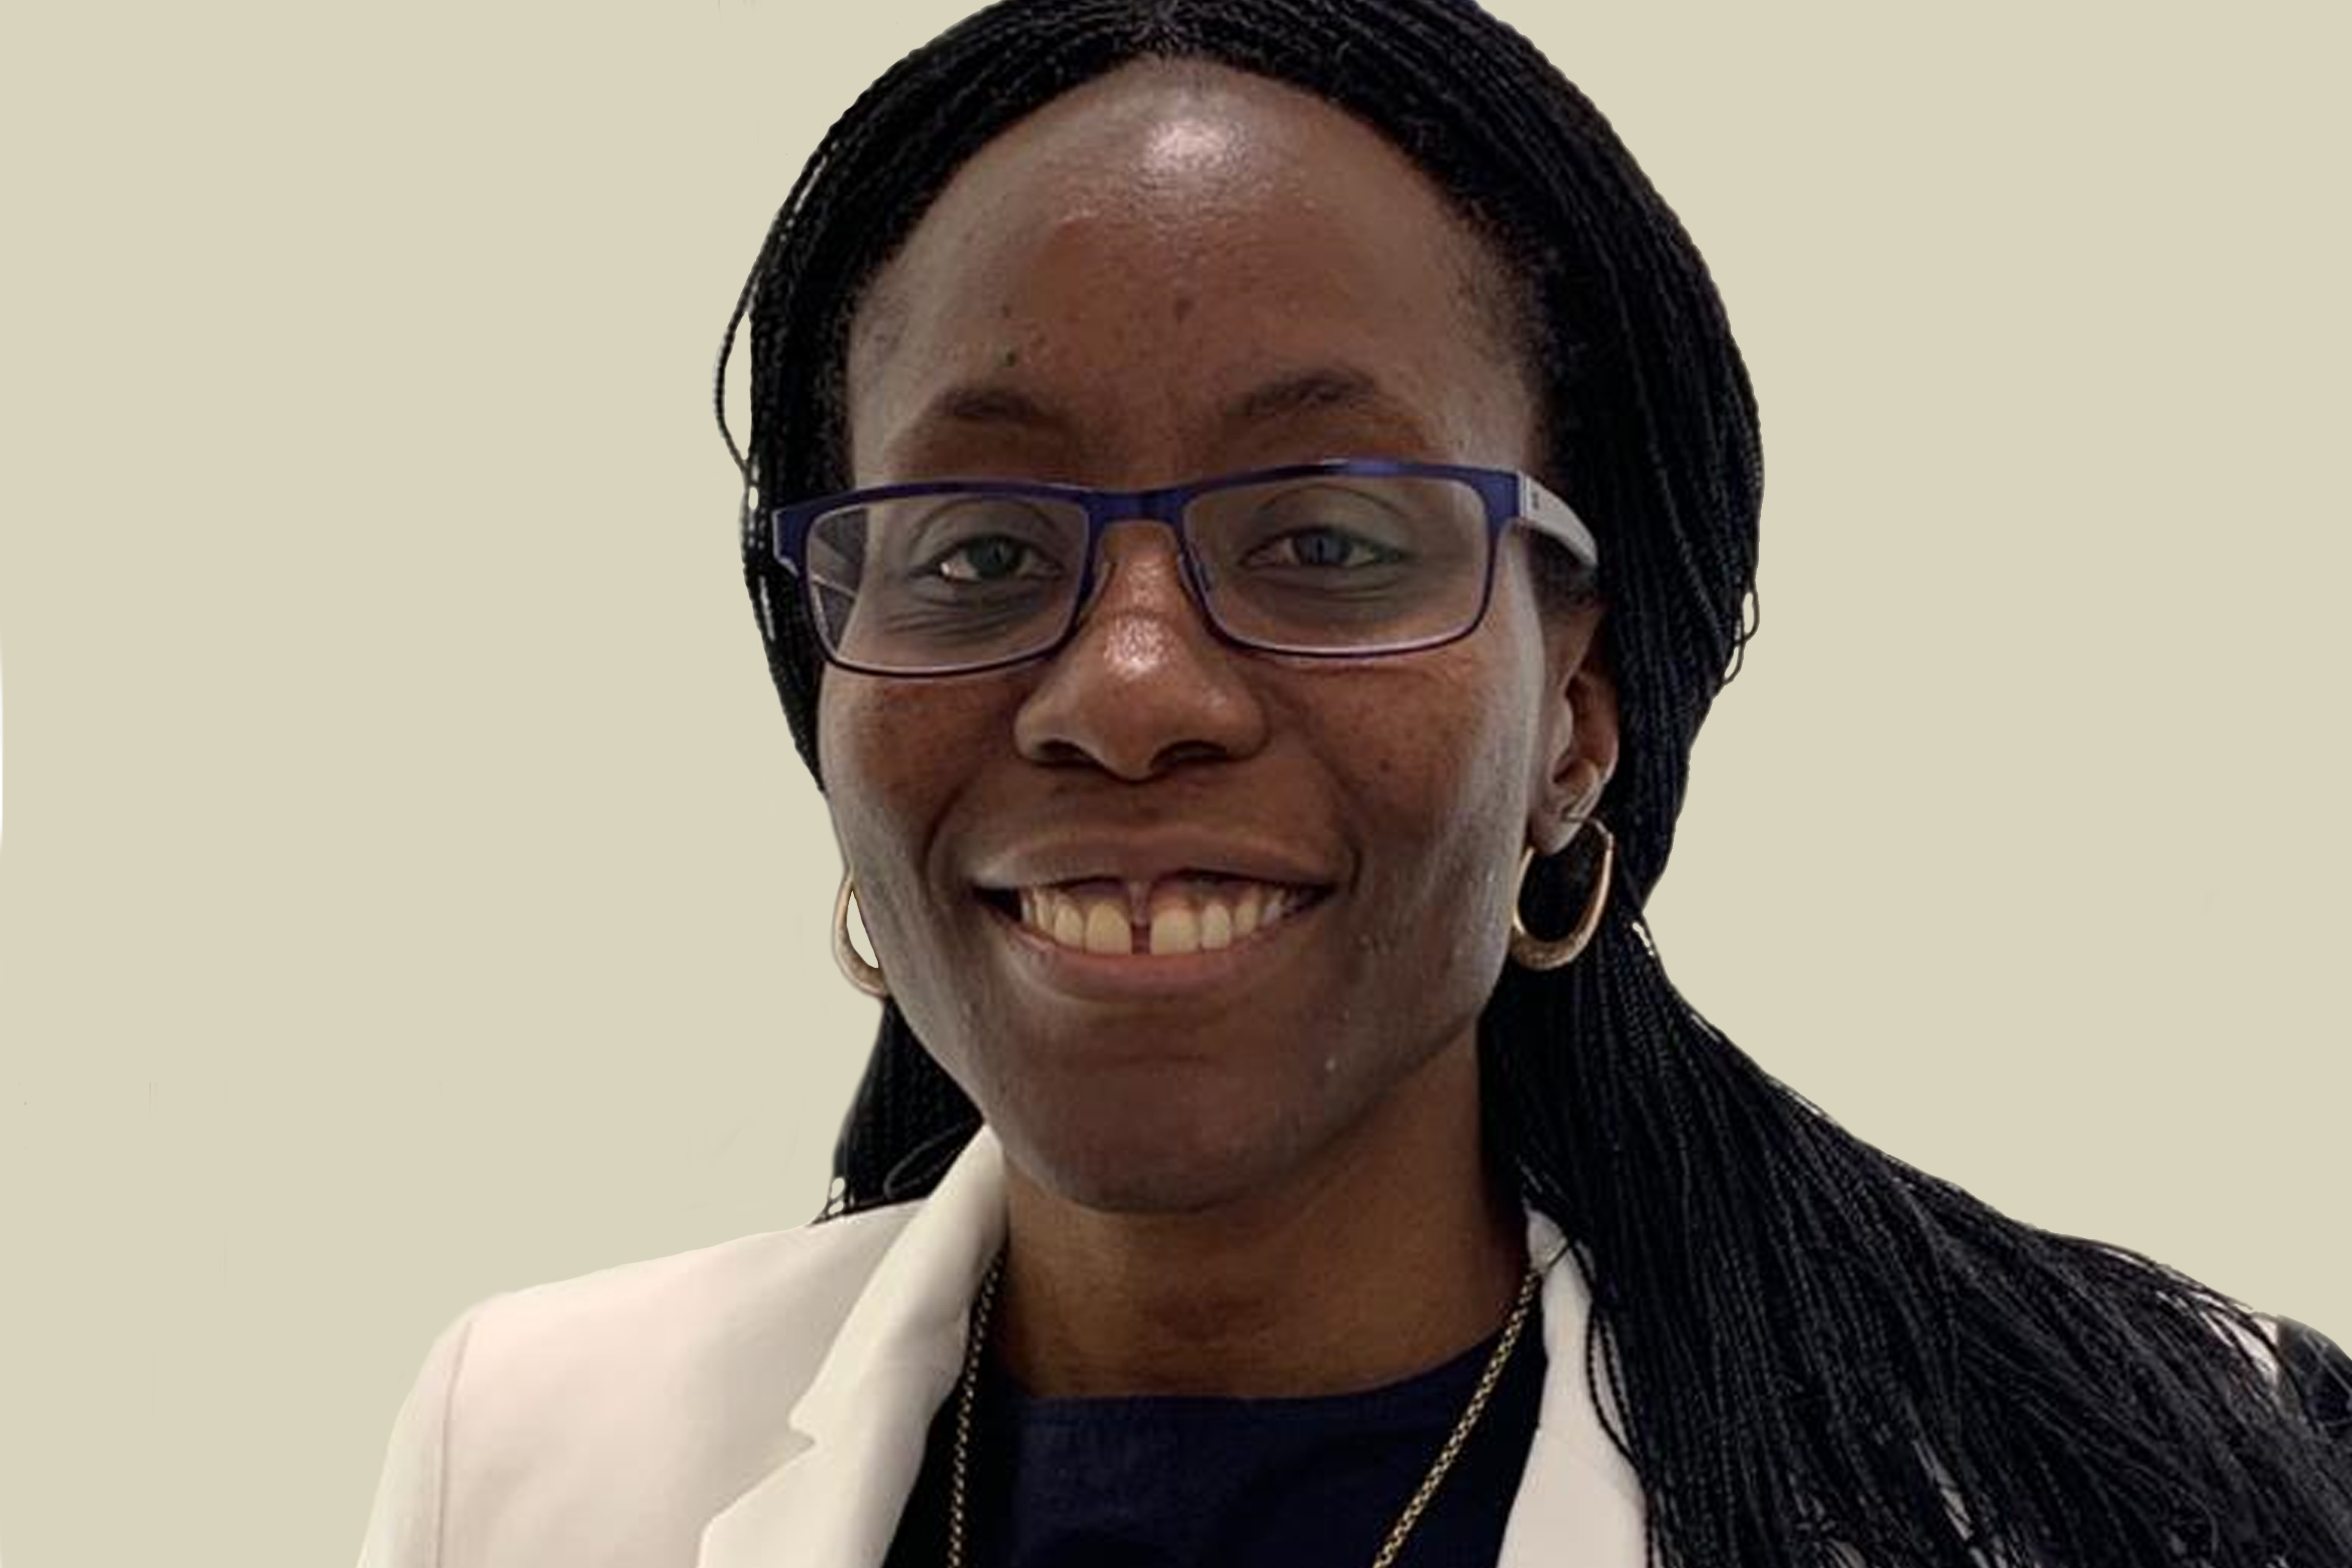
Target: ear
<point x="1578" y="755"/>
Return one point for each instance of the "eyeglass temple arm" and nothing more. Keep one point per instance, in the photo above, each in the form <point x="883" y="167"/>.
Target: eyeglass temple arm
<point x="1549" y="515"/>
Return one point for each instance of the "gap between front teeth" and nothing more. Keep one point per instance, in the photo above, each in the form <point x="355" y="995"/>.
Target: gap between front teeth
<point x="1179" y="923"/>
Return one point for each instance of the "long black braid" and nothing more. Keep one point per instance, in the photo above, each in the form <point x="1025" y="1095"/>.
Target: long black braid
<point x="1813" y="1342"/>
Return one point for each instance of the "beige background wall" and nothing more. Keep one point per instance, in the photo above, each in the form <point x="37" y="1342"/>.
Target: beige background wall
<point x="408" y="889"/>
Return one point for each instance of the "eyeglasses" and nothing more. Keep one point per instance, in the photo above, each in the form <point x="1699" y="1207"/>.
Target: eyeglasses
<point x="1353" y="559"/>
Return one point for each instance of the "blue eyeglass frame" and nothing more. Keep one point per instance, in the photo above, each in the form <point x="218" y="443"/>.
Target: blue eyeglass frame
<point x="1511" y="495"/>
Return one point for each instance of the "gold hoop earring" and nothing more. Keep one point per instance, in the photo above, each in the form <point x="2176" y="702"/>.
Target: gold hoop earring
<point x="1531" y="952"/>
<point x="867" y="977"/>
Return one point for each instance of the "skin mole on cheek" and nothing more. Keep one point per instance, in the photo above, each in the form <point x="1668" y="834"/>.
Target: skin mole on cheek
<point x="1184" y="306"/>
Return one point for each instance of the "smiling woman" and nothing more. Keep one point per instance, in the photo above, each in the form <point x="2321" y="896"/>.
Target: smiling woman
<point x="1249" y="503"/>
<point x="1364" y="746"/>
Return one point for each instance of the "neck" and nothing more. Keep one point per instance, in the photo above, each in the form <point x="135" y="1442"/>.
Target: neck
<point x="1386" y="1255"/>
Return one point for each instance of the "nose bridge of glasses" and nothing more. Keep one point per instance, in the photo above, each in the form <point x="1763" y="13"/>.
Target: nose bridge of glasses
<point x="1127" y="526"/>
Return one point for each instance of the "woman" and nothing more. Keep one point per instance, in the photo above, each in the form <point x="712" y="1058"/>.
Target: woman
<point x="1250" y="502"/>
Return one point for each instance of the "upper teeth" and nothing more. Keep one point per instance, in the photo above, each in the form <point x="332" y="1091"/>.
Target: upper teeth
<point x="1176" y="918"/>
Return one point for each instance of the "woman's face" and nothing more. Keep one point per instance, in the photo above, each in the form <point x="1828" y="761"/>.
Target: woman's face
<point x="1172" y="273"/>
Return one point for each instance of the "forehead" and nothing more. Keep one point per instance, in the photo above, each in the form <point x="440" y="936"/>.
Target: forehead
<point x="1179" y="268"/>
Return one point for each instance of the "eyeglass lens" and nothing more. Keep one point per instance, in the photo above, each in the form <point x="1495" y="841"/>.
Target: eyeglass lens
<point x="1328" y="563"/>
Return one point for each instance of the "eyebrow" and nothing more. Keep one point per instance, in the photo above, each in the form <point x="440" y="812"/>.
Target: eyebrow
<point x="987" y="404"/>
<point x="1341" y="387"/>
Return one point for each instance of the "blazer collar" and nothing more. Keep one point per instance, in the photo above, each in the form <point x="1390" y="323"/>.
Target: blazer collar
<point x="856" y="1443"/>
<point x="1579" y="1500"/>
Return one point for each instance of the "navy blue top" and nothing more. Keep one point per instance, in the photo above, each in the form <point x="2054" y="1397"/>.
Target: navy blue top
<point x="1170" y="1482"/>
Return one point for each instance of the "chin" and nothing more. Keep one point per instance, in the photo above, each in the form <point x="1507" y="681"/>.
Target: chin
<point x="1180" y="1150"/>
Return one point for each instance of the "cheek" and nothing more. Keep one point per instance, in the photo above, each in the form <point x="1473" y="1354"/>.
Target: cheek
<point x="1435" y="762"/>
<point x="896" y="757"/>
<point x="1435" y="753"/>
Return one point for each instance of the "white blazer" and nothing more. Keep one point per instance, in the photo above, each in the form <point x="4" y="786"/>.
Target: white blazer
<point x="764" y="1404"/>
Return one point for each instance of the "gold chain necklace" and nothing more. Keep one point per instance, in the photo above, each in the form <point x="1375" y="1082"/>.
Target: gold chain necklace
<point x="968" y="1393"/>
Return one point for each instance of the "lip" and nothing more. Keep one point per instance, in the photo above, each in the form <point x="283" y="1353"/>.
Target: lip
<point x="1145" y="857"/>
<point x="1141" y="977"/>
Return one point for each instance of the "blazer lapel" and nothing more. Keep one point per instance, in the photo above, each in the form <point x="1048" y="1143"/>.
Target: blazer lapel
<point x="1579" y="1500"/>
<point x="856" y="1440"/>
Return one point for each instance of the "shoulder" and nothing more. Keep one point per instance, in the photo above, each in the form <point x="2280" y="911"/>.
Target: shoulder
<point x="605" y="1419"/>
<point x="678" y="1326"/>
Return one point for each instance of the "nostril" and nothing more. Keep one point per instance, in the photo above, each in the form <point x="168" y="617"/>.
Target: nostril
<point x="1060" y="753"/>
<point x="1184" y="751"/>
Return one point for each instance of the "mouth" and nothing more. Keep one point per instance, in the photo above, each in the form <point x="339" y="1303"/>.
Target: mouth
<point x="1175" y="917"/>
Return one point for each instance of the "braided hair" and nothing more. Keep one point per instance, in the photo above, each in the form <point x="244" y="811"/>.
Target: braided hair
<point x="1811" y="1342"/>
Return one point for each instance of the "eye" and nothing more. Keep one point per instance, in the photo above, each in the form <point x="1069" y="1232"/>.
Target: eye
<point x="992" y="558"/>
<point x="986" y="542"/>
<point x="1321" y="547"/>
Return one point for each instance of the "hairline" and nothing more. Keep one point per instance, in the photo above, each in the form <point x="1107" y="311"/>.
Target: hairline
<point x="1491" y="273"/>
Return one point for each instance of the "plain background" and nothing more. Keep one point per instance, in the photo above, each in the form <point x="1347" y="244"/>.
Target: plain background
<point x="410" y="891"/>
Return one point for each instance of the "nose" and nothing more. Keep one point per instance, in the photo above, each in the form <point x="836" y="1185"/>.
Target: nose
<point x="1143" y="686"/>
